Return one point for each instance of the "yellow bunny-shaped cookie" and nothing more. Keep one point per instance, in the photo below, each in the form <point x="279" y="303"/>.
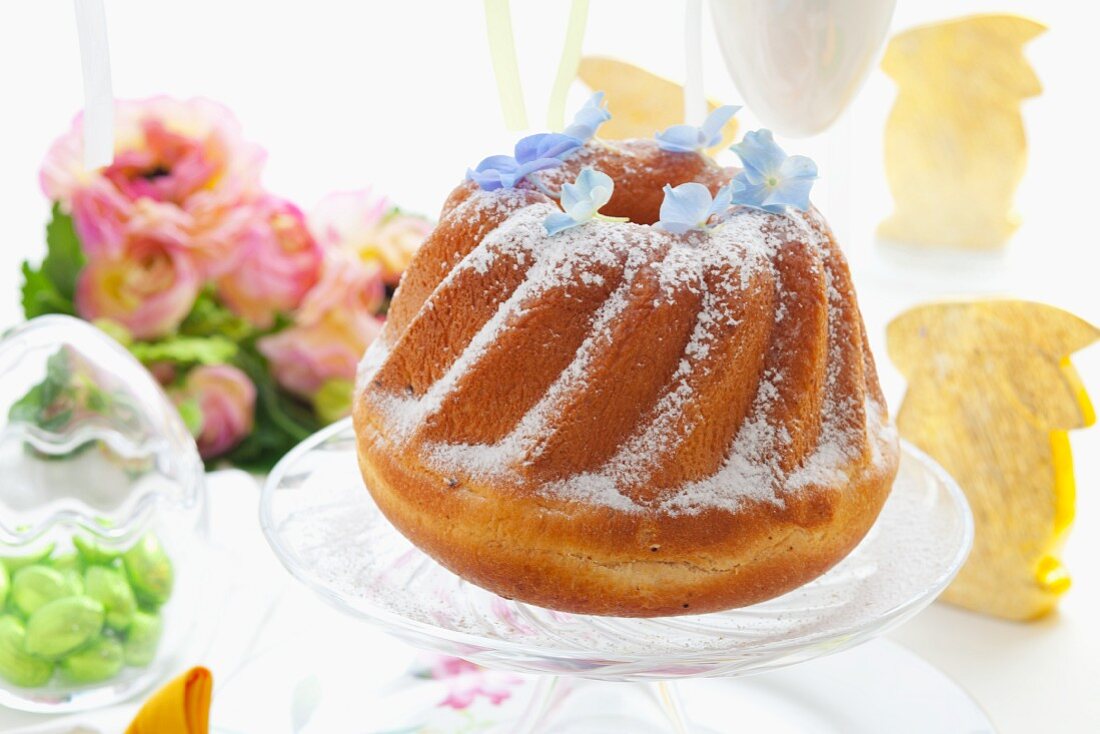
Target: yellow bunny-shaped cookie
<point x="991" y="394"/>
<point x="955" y="144"/>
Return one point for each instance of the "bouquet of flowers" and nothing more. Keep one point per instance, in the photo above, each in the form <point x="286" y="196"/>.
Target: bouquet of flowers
<point x="251" y="314"/>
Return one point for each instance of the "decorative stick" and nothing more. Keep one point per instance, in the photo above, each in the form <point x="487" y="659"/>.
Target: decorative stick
<point x="502" y="51"/>
<point x="567" y="67"/>
<point x="95" y="63"/>
<point x="695" y="105"/>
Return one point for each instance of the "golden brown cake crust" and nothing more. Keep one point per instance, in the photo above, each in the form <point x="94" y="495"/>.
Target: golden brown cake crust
<point x="595" y="560"/>
<point x="675" y="425"/>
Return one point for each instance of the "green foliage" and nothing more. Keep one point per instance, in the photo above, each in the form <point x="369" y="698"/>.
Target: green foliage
<point x="40" y="406"/>
<point x="191" y="413"/>
<point x="333" y="401"/>
<point x="211" y="334"/>
<point x="186" y="350"/>
<point x="281" y="420"/>
<point x="49" y="288"/>
<point x="210" y="318"/>
<point x="207" y="335"/>
<point x="64" y="258"/>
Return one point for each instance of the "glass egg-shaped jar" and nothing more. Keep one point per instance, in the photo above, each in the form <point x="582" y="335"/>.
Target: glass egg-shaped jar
<point x="102" y="521"/>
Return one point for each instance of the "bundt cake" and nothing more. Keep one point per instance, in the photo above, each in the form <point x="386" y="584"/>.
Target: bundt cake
<point x="619" y="419"/>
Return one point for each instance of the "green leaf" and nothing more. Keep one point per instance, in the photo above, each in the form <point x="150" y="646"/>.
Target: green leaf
<point x="41" y="297"/>
<point x="49" y="289"/>
<point x="333" y="401"/>
<point x="191" y="413"/>
<point x="210" y="318"/>
<point x="46" y="405"/>
<point x="64" y="258"/>
<point x="186" y="350"/>
<point x="59" y="373"/>
<point x="27" y="408"/>
<point x="282" y="421"/>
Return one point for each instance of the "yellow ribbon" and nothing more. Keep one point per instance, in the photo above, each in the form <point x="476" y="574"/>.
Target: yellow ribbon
<point x="180" y="707"/>
<point x="502" y="51"/>
<point x="567" y="67"/>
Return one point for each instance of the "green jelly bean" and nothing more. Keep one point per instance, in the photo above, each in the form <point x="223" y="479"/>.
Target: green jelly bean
<point x="33" y="586"/>
<point x="93" y="552"/>
<point x="5" y="584"/>
<point x="16" y="665"/>
<point x="109" y="587"/>
<point x="149" y="570"/>
<point x="99" y="661"/>
<point x="67" y="562"/>
<point x="62" y="626"/>
<point x="142" y="639"/>
<point x="75" y="580"/>
<point x="14" y="563"/>
<point x="71" y="566"/>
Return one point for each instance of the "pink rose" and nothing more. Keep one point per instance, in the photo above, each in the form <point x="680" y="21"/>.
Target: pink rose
<point x="100" y="214"/>
<point x="227" y="400"/>
<point x="370" y="228"/>
<point x="335" y="324"/>
<point x="398" y="239"/>
<point x="147" y="285"/>
<point x="278" y="262"/>
<point x="178" y="160"/>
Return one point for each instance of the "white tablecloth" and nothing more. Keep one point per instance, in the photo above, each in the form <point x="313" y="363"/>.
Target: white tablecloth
<point x="1028" y="678"/>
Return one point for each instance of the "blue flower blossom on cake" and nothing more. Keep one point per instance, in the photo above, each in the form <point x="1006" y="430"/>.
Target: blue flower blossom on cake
<point x="589" y="118"/>
<point x="540" y="151"/>
<point x="771" y="179"/>
<point x="581" y="200"/>
<point x="532" y="153"/>
<point x="689" y="138"/>
<point x="690" y="206"/>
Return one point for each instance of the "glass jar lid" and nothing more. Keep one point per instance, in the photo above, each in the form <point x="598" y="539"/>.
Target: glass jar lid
<point x="88" y="439"/>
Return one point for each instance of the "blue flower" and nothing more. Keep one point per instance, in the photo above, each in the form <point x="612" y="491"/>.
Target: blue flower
<point x="690" y="206"/>
<point x="688" y="138"/>
<point x="581" y="200"/>
<point x="545" y="145"/>
<point x="589" y="118"/>
<point x="532" y="153"/>
<point x="771" y="179"/>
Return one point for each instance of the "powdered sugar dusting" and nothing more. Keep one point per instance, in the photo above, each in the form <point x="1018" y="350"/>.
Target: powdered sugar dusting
<point x="746" y="243"/>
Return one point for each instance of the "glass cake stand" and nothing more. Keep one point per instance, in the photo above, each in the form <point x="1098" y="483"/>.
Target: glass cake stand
<point x="325" y="528"/>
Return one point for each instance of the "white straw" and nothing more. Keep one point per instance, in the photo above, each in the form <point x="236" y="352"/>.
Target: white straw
<point x="95" y="63"/>
<point x="695" y="106"/>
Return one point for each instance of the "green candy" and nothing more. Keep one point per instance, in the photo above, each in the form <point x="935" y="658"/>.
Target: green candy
<point x="149" y="570"/>
<point x="99" y="661"/>
<point x="71" y="566"/>
<point x="34" y="586"/>
<point x="14" y="563"/>
<point x="109" y="587"/>
<point x="142" y="639"/>
<point x="59" y="627"/>
<point x="67" y="562"/>
<point x="5" y="585"/>
<point x="16" y="666"/>
<point x="93" y="552"/>
<point x="75" y="580"/>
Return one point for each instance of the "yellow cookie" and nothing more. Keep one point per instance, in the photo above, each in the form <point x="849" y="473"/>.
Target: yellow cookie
<point x="641" y="103"/>
<point x="991" y="394"/>
<point x="955" y="143"/>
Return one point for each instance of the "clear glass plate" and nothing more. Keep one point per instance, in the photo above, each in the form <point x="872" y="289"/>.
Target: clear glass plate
<point x="326" y="529"/>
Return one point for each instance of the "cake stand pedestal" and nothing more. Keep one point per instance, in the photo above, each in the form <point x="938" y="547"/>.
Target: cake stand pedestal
<point x="327" y="531"/>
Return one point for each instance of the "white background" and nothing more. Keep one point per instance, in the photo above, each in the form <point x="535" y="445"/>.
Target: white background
<point x="399" y="95"/>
